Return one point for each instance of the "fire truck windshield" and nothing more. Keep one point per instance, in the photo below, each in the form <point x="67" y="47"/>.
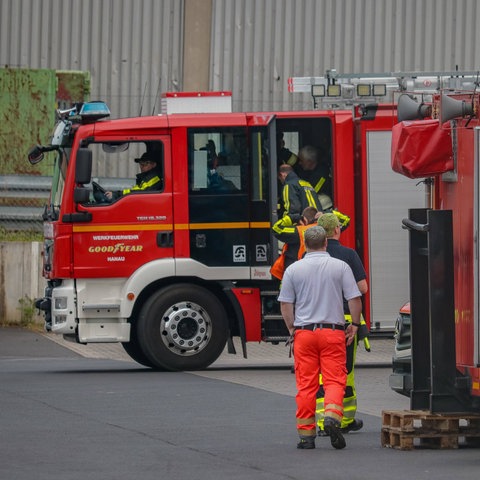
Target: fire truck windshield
<point x="58" y="183"/>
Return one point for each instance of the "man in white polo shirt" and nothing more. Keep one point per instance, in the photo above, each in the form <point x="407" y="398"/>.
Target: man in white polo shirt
<point x="311" y="299"/>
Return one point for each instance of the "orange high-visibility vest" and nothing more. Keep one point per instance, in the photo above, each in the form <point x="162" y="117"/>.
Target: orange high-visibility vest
<point x="278" y="267"/>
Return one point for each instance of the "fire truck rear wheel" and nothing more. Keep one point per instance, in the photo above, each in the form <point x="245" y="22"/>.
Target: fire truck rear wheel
<point x="182" y="327"/>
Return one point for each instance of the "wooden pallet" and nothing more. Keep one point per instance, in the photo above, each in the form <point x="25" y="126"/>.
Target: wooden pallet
<point x="410" y="429"/>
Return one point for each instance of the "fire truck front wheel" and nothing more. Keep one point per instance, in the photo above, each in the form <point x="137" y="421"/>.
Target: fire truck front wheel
<point x="182" y="327"/>
<point x="135" y="351"/>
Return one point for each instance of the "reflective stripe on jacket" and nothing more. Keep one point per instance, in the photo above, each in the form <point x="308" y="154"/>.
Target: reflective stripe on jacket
<point x="145" y="182"/>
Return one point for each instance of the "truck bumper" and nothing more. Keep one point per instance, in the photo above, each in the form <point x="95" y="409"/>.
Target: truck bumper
<point x="101" y="324"/>
<point x="401" y="383"/>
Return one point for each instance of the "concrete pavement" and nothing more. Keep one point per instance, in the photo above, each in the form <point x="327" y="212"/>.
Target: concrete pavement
<point x="71" y="416"/>
<point x="259" y="354"/>
<point x="372" y="370"/>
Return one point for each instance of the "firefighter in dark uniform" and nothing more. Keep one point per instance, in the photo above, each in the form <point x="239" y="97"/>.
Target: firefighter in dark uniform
<point x="297" y="194"/>
<point x="149" y="178"/>
<point x="313" y="168"/>
<point x="331" y="225"/>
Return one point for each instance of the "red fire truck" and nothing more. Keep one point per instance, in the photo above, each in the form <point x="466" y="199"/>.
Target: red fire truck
<point x="439" y="138"/>
<point x="174" y="275"/>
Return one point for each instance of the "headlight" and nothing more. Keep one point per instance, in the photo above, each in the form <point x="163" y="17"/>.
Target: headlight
<point x="61" y="303"/>
<point x="57" y="319"/>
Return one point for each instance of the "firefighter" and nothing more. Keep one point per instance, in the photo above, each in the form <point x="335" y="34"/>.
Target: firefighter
<point x="297" y="194"/>
<point x="311" y="300"/>
<point x="293" y="238"/>
<point x="313" y="168"/>
<point x="149" y="178"/>
<point x="330" y="223"/>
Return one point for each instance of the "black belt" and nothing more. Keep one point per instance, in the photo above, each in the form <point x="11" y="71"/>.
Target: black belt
<point x="314" y="326"/>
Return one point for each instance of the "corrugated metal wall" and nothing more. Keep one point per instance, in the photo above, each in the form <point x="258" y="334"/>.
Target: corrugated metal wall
<point x="131" y="45"/>
<point x="258" y="44"/>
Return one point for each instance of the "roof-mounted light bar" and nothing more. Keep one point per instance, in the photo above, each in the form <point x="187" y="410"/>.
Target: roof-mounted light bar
<point x="87" y="112"/>
<point x="93" y="111"/>
<point x="343" y="94"/>
<point x="339" y="90"/>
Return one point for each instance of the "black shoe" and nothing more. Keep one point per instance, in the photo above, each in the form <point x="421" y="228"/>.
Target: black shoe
<point x="356" y="425"/>
<point x="306" y="443"/>
<point x="336" y="437"/>
<point x="322" y="433"/>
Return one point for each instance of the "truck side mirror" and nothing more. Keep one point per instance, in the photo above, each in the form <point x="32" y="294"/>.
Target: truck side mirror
<point x="81" y="195"/>
<point x="35" y="155"/>
<point x="83" y="167"/>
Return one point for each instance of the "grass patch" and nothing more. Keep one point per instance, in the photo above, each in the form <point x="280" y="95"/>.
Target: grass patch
<point x="30" y="316"/>
<point x="20" y="235"/>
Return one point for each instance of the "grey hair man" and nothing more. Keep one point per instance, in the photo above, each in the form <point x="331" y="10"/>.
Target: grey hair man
<point x="311" y="301"/>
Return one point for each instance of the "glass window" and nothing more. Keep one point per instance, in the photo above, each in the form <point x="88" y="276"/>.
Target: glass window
<point x="315" y="136"/>
<point x="218" y="160"/>
<point x="121" y="169"/>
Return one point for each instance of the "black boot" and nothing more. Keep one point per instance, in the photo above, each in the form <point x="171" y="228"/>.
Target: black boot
<point x="354" y="426"/>
<point x="306" y="443"/>
<point x="332" y="428"/>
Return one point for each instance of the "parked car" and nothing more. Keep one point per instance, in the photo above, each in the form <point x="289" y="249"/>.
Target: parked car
<point x="401" y="378"/>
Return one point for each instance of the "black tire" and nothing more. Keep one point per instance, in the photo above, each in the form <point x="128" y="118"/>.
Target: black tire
<point x="133" y="349"/>
<point x="182" y="327"/>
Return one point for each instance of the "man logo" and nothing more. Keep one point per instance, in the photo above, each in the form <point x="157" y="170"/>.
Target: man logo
<point x="239" y="253"/>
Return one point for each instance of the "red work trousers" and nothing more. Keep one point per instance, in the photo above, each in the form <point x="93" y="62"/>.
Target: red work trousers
<point x="321" y="350"/>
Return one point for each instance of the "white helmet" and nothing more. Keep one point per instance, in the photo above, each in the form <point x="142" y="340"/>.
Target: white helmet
<point x="325" y="201"/>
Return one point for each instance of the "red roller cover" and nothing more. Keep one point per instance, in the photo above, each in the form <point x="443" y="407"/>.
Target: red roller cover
<point x="421" y="148"/>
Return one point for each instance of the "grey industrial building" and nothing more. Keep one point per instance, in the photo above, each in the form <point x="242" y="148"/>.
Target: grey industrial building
<point x="135" y="49"/>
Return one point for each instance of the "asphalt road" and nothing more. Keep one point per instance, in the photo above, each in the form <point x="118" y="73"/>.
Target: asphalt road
<point x="67" y="416"/>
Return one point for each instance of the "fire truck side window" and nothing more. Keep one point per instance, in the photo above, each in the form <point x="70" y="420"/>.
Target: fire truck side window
<point x="118" y="168"/>
<point x="218" y="164"/>
<point x="217" y="160"/>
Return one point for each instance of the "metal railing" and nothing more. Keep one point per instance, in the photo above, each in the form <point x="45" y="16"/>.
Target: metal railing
<point x="22" y="200"/>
